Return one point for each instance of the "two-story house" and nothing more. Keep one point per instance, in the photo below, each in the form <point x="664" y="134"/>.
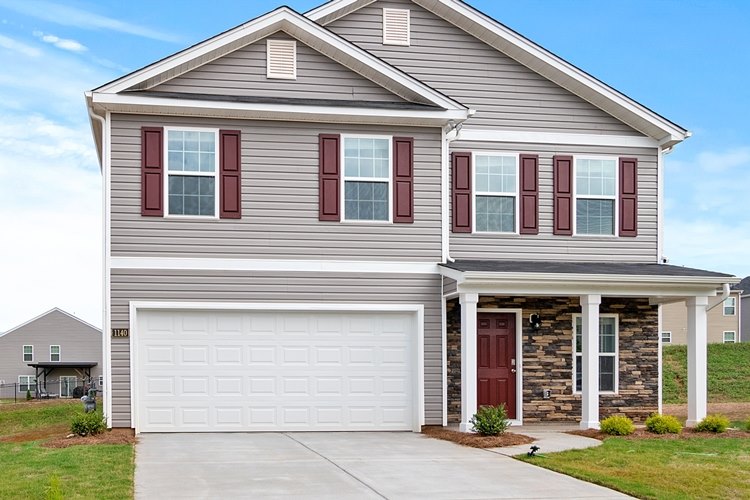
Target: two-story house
<point x="50" y="354"/>
<point x="378" y="215"/>
<point x="724" y="325"/>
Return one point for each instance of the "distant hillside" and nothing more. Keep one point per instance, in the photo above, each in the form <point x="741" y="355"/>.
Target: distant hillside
<point x="728" y="373"/>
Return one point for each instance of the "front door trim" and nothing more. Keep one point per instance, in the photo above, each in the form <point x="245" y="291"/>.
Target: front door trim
<point x="519" y="356"/>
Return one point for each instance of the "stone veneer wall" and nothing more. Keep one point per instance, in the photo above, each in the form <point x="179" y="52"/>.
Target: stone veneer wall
<point x="548" y="358"/>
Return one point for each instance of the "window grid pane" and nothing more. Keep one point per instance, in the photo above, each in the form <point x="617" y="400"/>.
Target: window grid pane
<point x="368" y="158"/>
<point x="495" y="174"/>
<point x="607" y="353"/>
<point x="366" y="200"/>
<point x="192" y="195"/>
<point x="595" y="177"/>
<point x="191" y="151"/>
<point x="496" y="214"/>
<point x="595" y="217"/>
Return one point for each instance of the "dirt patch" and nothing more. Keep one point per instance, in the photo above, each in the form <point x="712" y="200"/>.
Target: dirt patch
<point x="37" y="434"/>
<point x="113" y="436"/>
<point x="475" y="440"/>
<point x="687" y="433"/>
<point x="733" y="411"/>
<point x="11" y="406"/>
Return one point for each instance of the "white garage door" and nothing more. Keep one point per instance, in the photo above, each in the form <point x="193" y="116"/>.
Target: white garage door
<point x="274" y="371"/>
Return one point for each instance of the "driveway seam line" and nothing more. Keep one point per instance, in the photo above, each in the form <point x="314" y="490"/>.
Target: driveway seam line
<point x="338" y="467"/>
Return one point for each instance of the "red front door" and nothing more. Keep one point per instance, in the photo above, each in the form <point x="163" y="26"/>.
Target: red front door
<point x="496" y="360"/>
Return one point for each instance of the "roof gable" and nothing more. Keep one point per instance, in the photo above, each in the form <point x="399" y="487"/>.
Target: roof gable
<point x="55" y="311"/>
<point x="534" y="57"/>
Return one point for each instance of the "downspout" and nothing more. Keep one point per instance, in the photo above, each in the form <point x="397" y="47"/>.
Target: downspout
<point x="449" y="134"/>
<point x="724" y="294"/>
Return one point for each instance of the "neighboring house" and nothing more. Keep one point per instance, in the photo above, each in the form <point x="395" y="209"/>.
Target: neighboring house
<point x="55" y="349"/>
<point x="723" y="321"/>
<point x="379" y="215"/>
<point x="744" y="288"/>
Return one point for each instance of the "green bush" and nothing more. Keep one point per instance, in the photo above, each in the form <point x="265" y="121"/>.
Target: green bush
<point x="663" y="424"/>
<point x="490" y="420"/>
<point x="747" y="425"/>
<point x="88" y="424"/>
<point x="713" y="423"/>
<point x="617" y="425"/>
<point x="28" y="395"/>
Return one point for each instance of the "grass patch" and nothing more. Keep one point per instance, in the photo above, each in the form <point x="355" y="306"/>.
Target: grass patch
<point x="93" y="471"/>
<point x="37" y="415"/>
<point x="728" y="373"/>
<point x="656" y="468"/>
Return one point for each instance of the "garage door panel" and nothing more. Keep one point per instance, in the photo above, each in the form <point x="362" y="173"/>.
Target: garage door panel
<point x="266" y="371"/>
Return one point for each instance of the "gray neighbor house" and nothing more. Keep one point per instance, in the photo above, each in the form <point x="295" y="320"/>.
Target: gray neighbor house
<point x="379" y="215"/>
<point x="50" y="355"/>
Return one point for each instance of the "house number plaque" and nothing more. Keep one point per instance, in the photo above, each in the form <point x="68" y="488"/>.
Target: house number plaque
<point x="121" y="332"/>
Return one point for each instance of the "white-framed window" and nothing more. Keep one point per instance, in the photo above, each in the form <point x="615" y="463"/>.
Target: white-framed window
<point x="26" y="383"/>
<point x="596" y="196"/>
<point x="281" y="59"/>
<point x="101" y="382"/>
<point x="730" y="337"/>
<point x="367" y="178"/>
<point x="28" y="354"/>
<point x="608" y="353"/>
<point x="54" y="353"/>
<point x="495" y="193"/>
<point x="730" y="306"/>
<point x="396" y="26"/>
<point x="192" y="160"/>
<point x="666" y="337"/>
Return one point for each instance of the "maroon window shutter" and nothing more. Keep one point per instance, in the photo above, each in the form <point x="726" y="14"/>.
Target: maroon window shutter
<point x="230" y="168"/>
<point x="529" y="223"/>
<point x="461" y="187"/>
<point x="628" y="197"/>
<point x="152" y="171"/>
<point x="329" y="177"/>
<point x="563" y="199"/>
<point x="403" y="179"/>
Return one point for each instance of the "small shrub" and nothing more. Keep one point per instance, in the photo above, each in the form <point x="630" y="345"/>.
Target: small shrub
<point x="713" y="423"/>
<point x="53" y="491"/>
<point x="747" y="425"/>
<point x="490" y="420"/>
<point x="663" y="424"/>
<point x="28" y="394"/>
<point x="88" y="424"/>
<point x="617" y="425"/>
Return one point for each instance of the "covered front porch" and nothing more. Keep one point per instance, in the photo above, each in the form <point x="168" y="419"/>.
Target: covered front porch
<point x="569" y="342"/>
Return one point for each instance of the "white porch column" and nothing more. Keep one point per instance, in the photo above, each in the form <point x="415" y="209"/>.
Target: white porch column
<point x="697" y="332"/>
<point x="590" y="361"/>
<point x="468" y="358"/>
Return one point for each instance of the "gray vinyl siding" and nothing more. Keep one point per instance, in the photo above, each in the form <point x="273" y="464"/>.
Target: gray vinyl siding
<point x="279" y="199"/>
<point x="744" y="304"/>
<point x="243" y="73"/>
<point x="449" y="286"/>
<point x="549" y="247"/>
<point x="248" y="287"/>
<point x="78" y="342"/>
<point x="506" y="94"/>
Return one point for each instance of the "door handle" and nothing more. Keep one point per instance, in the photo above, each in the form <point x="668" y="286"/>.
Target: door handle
<point x="513" y="370"/>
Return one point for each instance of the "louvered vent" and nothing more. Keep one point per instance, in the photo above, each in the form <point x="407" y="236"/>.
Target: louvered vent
<point x="395" y="26"/>
<point x="281" y="59"/>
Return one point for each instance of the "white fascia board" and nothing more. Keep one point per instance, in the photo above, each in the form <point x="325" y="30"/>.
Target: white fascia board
<point x="533" y="137"/>
<point x="125" y="103"/>
<point x="332" y="8"/>
<point x="547" y="64"/>
<point x="264" y="265"/>
<point x="284" y="19"/>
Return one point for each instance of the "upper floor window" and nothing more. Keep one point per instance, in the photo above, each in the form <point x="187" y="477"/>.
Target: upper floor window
<point x="496" y="181"/>
<point x="367" y="178"/>
<point x="596" y="195"/>
<point x="607" y="353"/>
<point x="28" y="353"/>
<point x="192" y="167"/>
<point x="54" y="353"/>
<point x="730" y="306"/>
<point x="396" y="27"/>
<point x="730" y="337"/>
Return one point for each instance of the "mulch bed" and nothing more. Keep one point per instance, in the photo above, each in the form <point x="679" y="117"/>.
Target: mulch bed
<point x="475" y="440"/>
<point x="687" y="433"/>
<point x="113" y="436"/>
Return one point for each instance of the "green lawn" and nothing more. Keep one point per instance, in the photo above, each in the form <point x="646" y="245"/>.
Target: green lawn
<point x="728" y="373"/>
<point x="29" y="470"/>
<point x="659" y="468"/>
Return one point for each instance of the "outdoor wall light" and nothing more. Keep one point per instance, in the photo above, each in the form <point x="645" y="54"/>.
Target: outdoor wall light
<point x="536" y="322"/>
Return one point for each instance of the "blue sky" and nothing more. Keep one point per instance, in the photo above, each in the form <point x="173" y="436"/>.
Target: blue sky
<point x="688" y="60"/>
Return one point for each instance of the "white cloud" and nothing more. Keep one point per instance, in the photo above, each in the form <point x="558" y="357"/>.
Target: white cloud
<point x="70" y="16"/>
<point x="61" y="43"/>
<point x="16" y="46"/>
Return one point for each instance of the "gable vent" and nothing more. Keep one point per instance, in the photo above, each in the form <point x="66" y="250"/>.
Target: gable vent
<point x="281" y="59"/>
<point x="395" y="26"/>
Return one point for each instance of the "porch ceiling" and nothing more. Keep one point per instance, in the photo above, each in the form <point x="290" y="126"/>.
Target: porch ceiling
<point x="581" y="278"/>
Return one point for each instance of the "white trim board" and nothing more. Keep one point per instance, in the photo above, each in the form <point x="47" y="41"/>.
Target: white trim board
<point x="561" y="138"/>
<point x="327" y="266"/>
<point x="417" y="309"/>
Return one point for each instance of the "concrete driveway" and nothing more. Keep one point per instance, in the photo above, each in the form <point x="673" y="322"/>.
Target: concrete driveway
<point x="341" y="465"/>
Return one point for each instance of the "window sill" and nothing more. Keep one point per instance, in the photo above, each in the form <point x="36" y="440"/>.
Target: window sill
<point x="191" y="217"/>
<point x="368" y="222"/>
<point x="493" y="233"/>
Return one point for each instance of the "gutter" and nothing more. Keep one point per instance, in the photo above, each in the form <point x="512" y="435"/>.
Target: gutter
<point x="724" y="294"/>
